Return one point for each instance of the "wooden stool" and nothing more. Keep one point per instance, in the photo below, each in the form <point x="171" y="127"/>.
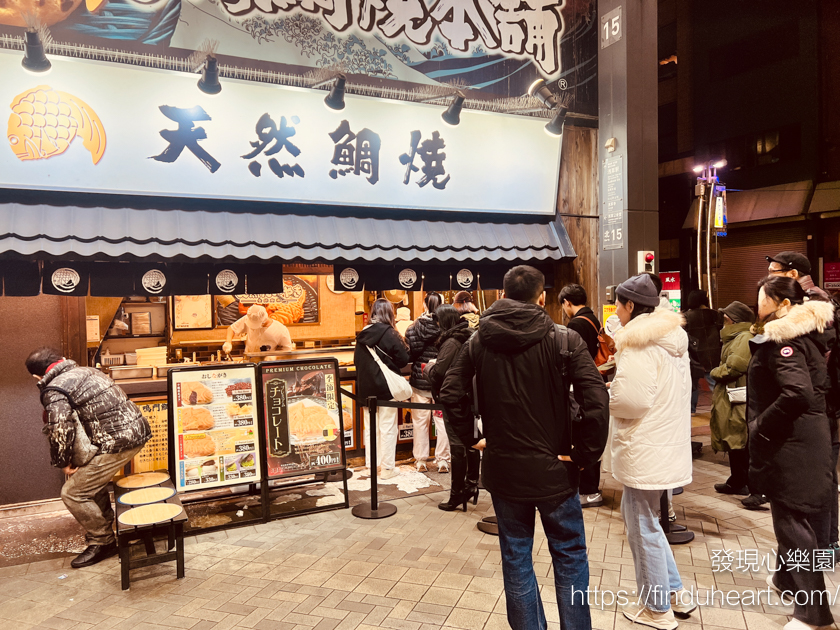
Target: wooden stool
<point x="174" y="528"/>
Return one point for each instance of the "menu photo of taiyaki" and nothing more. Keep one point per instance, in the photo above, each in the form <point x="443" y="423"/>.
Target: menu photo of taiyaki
<point x="198" y="445"/>
<point x="195" y="393"/>
<point x="196" y="419"/>
<point x="236" y="410"/>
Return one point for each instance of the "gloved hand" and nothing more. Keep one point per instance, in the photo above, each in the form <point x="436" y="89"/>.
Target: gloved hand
<point x="227" y="347"/>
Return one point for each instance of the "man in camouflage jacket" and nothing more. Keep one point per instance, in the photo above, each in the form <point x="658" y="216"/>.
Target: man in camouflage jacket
<point x="113" y="424"/>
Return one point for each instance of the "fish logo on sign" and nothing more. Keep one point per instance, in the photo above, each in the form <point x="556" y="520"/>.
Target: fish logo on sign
<point x="153" y="281"/>
<point x="227" y="280"/>
<point x="407" y="278"/>
<point x="65" y="279"/>
<point x="349" y="278"/>
<point x="44" y="122"/>
<point x="464" y="278"/>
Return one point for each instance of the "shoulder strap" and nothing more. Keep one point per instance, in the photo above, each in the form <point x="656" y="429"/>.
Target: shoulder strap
<point x="591" y="323"/>
<point x="561" y="339"/>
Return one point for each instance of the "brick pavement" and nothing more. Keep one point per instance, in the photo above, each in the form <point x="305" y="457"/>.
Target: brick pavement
<point x="422" y="569"/>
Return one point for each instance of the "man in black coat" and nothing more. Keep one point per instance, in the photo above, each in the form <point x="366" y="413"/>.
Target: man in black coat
<point x="534" y="452"/>
<point x="584" y="322"/>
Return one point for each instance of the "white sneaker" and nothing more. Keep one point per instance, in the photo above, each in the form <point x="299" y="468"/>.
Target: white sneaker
<point x="795" y="624"/>
<point x="682" y="603"/>
<point x="421" y="466"/>
<point x="443" y="467"/>
<point x="772" y="585"/>
<point x="647" y="617"/>
<point x="389" y="473"/>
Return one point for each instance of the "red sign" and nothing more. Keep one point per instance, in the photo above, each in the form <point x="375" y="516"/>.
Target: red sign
<point x="670" y="280"/>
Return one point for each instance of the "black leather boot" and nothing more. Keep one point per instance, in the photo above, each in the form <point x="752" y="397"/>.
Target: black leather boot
<point x="94" y="554"/>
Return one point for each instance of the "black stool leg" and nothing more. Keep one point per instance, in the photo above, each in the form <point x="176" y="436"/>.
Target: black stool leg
<point x="122" y="543"/>
<point x="179" y="550"/>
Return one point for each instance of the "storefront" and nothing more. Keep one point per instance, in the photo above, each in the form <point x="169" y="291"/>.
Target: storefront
<point x="136" y="246"/>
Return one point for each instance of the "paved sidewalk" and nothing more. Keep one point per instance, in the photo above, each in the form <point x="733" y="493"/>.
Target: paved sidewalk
<point x="421" y="569"/>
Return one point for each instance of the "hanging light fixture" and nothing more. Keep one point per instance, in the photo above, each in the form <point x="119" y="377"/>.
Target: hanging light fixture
<point x="452" y="115"/>
<point x="205" y="59"/>
<point x="335" y="99"/>
<point x="555" y="126"/>
<point x="36" y="38"/>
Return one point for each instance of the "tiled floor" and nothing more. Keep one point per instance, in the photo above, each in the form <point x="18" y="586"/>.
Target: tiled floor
<point x="421" y="569"/>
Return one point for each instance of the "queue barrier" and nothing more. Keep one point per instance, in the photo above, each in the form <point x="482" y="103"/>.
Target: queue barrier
<point x="375" y="509"/>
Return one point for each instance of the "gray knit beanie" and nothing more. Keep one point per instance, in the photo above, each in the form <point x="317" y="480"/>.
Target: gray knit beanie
<point x="639" y="290"/>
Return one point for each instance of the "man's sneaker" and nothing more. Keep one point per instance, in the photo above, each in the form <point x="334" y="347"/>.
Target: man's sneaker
<point x="795" y="624"/>
<point x="672" y="516"/>
<point x="94" y="554"/>
<point x="725" y="488"/>
<point x="389" y="473"/>
<point x="647" y="617"/>
<point x="682" y="602"/>
<point x="754" y="502"/>
<point x="775" y="588"/>
<point x="591" y="500"/>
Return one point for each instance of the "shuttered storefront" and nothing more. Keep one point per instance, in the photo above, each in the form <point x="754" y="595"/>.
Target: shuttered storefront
<point x="742" y="258"/>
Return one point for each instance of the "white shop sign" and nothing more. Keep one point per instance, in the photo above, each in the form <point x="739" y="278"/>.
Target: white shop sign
<point x="100" y="127"/>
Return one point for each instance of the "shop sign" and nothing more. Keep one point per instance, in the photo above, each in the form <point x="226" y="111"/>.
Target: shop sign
<point x="831" y="276"/>
<point x="213" y="421"/>
<point x="155" y="453"/>
<point x="304" y="420"/>
<point x="158" y="134"/>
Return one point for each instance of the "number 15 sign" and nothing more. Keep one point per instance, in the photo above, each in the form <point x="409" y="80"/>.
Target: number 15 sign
<point x="611" y="27"/>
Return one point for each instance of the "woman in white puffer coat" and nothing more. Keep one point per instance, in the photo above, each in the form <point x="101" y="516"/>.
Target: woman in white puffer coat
<point x="650" y="442"/>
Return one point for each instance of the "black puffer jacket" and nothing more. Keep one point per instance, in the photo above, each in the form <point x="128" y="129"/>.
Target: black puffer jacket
<point x="789" y="434"/>
<point x="390" y="348"/>
<point x="111" y="420"/>
<point x="450" y="344"/>
<point x="525" y="414"/>
<point x="704" y="325"/>
<point x="422" y="337"/>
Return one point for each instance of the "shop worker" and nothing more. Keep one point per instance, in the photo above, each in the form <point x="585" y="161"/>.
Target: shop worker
<point x="112" y="423"/>
<point x="533" y="459"/>
<point x="264" y="334"/>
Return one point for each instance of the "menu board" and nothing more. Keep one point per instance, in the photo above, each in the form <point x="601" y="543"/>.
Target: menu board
<point x="155" y="454"/>
<point x="405" y="427"/>
<point x="213" y="420"/>
<point x="303" y="427"/>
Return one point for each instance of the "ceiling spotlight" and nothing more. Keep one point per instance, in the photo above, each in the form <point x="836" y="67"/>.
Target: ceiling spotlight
<point x="209" y="81"/>
<point x="34" y="58"/>
<point x="719" y="164"/>
<point x="698" y="169"/>
<point x="452" y="115"/>
<point x="335" y="99"/>
<point x="555" y="126"/>
<point x="539" y="90"/>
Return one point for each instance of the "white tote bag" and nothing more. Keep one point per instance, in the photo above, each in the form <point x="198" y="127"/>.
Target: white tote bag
<point x="398" y="386"/>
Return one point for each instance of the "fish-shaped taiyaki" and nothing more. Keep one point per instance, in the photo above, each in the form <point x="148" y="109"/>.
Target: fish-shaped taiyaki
<point x="44" y="122"/>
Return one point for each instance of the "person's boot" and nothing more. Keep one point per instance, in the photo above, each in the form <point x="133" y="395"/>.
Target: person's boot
<point x="94" y="554"/>
<point x="457" y="493"/>
<point x="473" y="469"/>
<point x="754" y="502"/>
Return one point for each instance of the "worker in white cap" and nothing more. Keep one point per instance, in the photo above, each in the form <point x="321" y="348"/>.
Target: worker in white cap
<point x="264" y="334"/>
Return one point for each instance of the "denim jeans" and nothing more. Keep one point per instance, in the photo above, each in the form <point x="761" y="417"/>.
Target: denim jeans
<point x="656" y="571"/>
<point x="563" y="525"/>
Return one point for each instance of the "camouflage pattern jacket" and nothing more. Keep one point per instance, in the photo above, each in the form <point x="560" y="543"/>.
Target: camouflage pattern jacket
<point x="111" y="420"/>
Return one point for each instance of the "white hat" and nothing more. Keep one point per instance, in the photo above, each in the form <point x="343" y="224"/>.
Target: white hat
<point x="256" y="317"/>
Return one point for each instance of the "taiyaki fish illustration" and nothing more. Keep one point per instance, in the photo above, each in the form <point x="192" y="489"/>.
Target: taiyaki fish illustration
<point x="44" y="122"/>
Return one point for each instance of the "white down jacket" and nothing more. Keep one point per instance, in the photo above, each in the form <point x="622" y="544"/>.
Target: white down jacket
<point x="650" y="404"/>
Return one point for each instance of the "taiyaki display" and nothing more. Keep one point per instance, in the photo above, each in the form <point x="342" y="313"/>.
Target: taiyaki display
<point x="199" y="447"/>
<point x="196" y="419"/>
<point x="195" y="394"/>
<point x="44" y="122"/>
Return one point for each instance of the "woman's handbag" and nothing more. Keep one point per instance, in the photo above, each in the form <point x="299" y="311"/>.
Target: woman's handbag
<point x="737" y="395"/>
<point x="397" y="385"/>
<point x="83" y="449"/>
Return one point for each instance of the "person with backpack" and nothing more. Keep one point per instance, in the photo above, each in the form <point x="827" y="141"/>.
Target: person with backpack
<point x="76" y="399"/>
<point x="584" y="322"/>
<point x="790" y="438"/>
<point x="650" y="442"/>
<point x="703" y="327"/>
<point x="381" y="336"/>
<point x="524" y="365"/>
<point x="454" y="332"/>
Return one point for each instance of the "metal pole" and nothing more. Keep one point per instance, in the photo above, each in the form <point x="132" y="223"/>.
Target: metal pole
<point x="700" y="240"/>
<point x="710" y="222"/>
<point x="374" y="468"/>
<point x="374" y="509"/>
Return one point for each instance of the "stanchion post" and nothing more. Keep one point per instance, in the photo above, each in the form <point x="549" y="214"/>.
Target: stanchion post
<point x="676" y="534"/>
<point x="373" y="510"/>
